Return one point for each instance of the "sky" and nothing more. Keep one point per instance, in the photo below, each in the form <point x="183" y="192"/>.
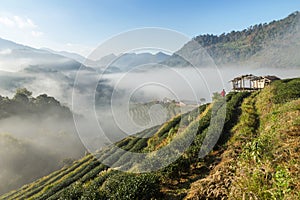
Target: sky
<point x="80" y="26"/>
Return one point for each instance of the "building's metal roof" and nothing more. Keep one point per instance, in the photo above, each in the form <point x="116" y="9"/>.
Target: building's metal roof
<point x="253" y="78"/>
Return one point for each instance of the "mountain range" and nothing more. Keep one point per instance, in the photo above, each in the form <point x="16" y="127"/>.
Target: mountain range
<point x="273" y="44"/>
<point x="16" y="57"/>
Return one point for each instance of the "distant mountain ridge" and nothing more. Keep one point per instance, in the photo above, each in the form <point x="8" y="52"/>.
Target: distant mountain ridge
<point x="9" y="44"/>
<point x="17" y="57"/>
<point x="74" y="56"/>
<point x="127" y="61"/>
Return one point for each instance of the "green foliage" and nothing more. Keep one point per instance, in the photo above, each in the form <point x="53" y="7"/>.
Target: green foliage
<point x="255" y="149"/>
<point x="139" y="145"/>
<point x="93" y="173"/>
<point x="78" y="191"/>
<point x="49" y="180"/>
<point x="167" y="126"/>
<point x="216" y="96"/>
<point x="131" y="186"/>
<point x="139" y="112"/>
<point x="22" y="96"/>
<point x="267" y="156"/>
<point x="241" y="45"/>
<point x="23" y="104"/>
<point x="175" y="169"/>
<point x="263" y="184"/>
<point x="282" y="181"/>
<point x="123" y="142"/>
<point x="71" y="178"/>
<point x="113" y="157"/>
<point x="23" y="91"/>
<point x="162" y="133"/>
<point x="286" y="90"/>
<point x="74" y="192"/>
<point x="192" y="115"/>
<point x="91" y="192"/>
<point x="233" y="103"/>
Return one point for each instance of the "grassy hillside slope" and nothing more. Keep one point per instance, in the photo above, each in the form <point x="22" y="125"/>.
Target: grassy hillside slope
<point x="256" y="157"/>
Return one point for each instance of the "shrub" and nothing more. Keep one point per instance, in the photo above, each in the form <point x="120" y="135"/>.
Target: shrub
<point x="286" y="90"/>
<point x="72" y="193"/>
<point x="131" y="186"/>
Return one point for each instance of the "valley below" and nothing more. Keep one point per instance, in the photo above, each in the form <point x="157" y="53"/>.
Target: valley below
<point x="154" y="123"/>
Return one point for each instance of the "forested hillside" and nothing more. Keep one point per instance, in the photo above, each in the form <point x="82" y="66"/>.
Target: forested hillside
<point x="23" y="104"/>
<point x="273" y="44"/>
<point x="256" y="157"/>
<point x="37" y="137"/>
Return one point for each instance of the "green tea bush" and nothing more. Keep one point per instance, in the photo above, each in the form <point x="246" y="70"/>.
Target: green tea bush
<point x="131" y="186"/>
<point x="286" y="90"/>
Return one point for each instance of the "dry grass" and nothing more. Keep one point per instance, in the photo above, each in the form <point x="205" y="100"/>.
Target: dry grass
<point x="261" y="162"/>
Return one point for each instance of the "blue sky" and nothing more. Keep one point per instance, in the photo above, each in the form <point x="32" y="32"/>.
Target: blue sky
<point x="80" y="26"/>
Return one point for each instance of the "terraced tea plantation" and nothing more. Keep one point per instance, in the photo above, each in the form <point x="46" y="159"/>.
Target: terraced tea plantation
<point x="259" y="128"/>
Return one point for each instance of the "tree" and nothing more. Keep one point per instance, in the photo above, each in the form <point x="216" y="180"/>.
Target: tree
<point x="23" y="91"/>
<point x="22" y="95"/>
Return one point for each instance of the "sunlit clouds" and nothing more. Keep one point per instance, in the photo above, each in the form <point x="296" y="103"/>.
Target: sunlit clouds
<point x="19" y="24"/>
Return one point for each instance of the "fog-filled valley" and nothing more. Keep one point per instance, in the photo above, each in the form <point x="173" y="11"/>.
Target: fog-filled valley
<point x="56" y="107"/>
<point x="33" y="146"/>
<point x="37" y="136"/>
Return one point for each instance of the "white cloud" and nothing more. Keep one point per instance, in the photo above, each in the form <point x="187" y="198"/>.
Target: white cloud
<point x="36" y="33"/>
<point x="17" y="21"/>
<point x="7" y="22"/>
<point x="16" y="26"/>
<point x="24" y="22"/>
